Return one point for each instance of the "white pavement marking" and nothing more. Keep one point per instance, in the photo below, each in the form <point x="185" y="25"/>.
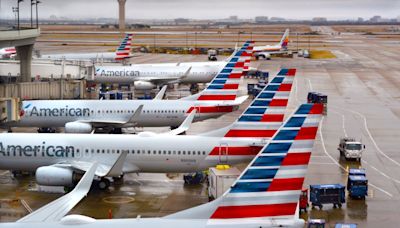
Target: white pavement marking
<point x="363" y="160"/>
<point x="4" y="173"/>
<point x="345" y="132"/>
<point x="372" y="138"/>
<point x="339" y="165"/>
<point x="310" y="85"/>
<point x="343" y="122"/>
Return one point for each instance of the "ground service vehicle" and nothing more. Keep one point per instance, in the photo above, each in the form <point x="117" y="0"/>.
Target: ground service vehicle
<point x="350" y="148"/>
<point x="327" y="194"/>
<point x="220" y="180"/>
<point x="303" y="201"/>
<point x="316" y="223"/>
<point x="212" y="55"/>
<point x="315" y="97"/>
<point x="357" y="183"/>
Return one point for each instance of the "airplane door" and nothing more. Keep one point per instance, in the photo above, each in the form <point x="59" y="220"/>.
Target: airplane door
<point x="197" y="115"/>
<point x="223" y="153"/>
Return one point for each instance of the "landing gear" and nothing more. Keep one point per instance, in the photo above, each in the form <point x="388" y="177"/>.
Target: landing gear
<point x="46" y="130"/>
<point x="103" y="183"/>
<point x="116" y="130"/>
<point x="118" y="180"/>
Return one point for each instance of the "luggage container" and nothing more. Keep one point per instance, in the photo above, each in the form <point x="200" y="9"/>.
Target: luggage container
<point x="343" y="225"/>
<point x="327" y="194"/>
<point x="220" y="180"/>
<point x="357" y="184"/>
<point x="316" y="223"/>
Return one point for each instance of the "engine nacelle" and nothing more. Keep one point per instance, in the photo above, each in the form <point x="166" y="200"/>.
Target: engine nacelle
<point x="75" y="127"/>
<point x="54" y="176"/>
<point x="146" y="134"/>
<point x="143" y="85"/>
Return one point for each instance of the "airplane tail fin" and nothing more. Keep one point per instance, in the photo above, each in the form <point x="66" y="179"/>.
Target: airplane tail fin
<point x="285" y="39"/>
<point x="270" y="186"/>
<point x="124" y="49"/>
<point x="265" y="114"/>
<point x="225" y="85"/>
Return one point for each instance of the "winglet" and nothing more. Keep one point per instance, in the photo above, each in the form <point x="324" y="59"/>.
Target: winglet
<point x="136" y="115"/>
<point x="116" y="169"/>
<point x="186" y="73"/>
<point x="161" y="93"/>
<point x="58" y="208"/>
<point x="185" y="124"/>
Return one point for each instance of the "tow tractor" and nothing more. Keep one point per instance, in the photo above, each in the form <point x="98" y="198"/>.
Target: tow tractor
<point x="350" y="148"/>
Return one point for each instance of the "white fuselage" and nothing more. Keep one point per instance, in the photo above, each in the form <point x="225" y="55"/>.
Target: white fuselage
<point x="80" y="56"/>
<point x="7" y="52"/>
<point x="86" y="222"/>
<point x="200" y="72"/>
<point x="146" y="153"/>
<point x="267" y="48"/>
<point x="155" y="113"/>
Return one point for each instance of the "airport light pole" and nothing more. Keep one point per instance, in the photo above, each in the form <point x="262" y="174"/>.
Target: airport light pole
<point x="15" y="11"/>
<point x="31" y="13"/>
<point x="36" y="3"/>
<point x="18" y="1"/>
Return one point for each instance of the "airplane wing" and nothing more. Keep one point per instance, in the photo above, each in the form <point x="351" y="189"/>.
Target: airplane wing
<point x="160" y="95"/>
<point x="168" y="78"/>
<point x="104" y="168"/>
<point x="133" y="119"/>
<point x="57" y="209"/>
<point x="184" y="126"/>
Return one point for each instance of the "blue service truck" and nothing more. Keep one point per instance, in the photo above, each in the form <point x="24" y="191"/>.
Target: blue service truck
<point x="357" y="183"/>
<point x="327" y="194"/>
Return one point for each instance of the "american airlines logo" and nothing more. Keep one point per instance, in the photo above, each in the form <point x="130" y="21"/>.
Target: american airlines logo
<point x="50" y="112"/>
<point x="42" y="150"/>
<point x="117" y="73"/>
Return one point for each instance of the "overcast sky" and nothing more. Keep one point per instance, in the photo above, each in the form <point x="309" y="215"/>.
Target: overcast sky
<point x="209" y="9"/>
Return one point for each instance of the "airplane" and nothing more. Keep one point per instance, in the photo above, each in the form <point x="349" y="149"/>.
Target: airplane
<point x="8" y="52"/>
<point x="58" y="158"/>
<point x="82" y="116"/>
<point x="149" y="76"/>
<point x="121" y="53"/>
<point x="266" y="51"/>
<point x="266" y="193"/>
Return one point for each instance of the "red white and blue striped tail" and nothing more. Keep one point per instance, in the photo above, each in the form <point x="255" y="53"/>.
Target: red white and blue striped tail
<point x="271" y="184"/>
<point x="265" y="114"/>
<point x="225" y="85"/>
<point x="269" y="188"/>
<point x="124" y="49"/>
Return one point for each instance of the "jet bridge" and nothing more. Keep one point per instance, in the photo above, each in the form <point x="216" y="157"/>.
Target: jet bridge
<point x="10" y="109"/>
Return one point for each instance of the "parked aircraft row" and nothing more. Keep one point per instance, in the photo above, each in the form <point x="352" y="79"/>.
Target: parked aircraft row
<point x="82" y="116"/>
<point x="58" y="158"/>
<point x="265" y="194"/>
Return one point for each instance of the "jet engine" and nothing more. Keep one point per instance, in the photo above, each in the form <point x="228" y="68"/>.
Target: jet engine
<point x="75" y="127"/>
<point x="55" y="176"/>
<point x="143" y="85"/>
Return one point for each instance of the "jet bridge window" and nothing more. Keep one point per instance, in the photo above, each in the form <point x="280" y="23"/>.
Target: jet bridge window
<point x="188" y="152"/>
<point x="148" y="152"/>
<point x="117" y="151"/>
<point x="179" y="152"/>
<point x="184" y="152"/>
<point x="102" y="151"/>
<point x="204" y="153"/>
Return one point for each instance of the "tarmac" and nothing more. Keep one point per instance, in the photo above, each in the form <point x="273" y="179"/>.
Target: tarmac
<point x="362" y="85"/>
